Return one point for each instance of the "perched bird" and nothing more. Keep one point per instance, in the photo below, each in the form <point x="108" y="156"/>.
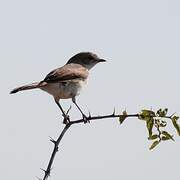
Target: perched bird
<point x="67" y="81"/>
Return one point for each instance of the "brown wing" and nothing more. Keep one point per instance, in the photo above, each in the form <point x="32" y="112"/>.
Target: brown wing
<point x="66" y="73"/>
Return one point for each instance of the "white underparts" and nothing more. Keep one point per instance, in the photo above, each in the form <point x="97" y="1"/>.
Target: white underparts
<point x="64" y="90"/>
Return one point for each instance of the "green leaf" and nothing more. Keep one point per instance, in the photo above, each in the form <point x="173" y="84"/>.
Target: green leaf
<point x="155" y="136"/>
<point x="165" y="111"/>
<point x="162" y="113"/>
<point x="149" y="125"/>
<point x="146" y="114"/>
<point x="163" y="123"/>
<point x="166" y="134"/>
<point x="154" y="144"/>
<point x="175" y="118"/>
<point x="165" y="138"/>
<point x="122" y="117"/>
<point x="176" y="125"/>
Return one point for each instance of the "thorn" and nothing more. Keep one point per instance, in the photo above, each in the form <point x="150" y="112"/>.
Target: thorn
<point x="52" y="140"/>
<point x="172" y="115"/>
<point x="47" y="173"/>
<point x="114" y="111"/>
<point x="56" y="148"/>
<point x="43" y="170"/>
<point x="89" y="115"/>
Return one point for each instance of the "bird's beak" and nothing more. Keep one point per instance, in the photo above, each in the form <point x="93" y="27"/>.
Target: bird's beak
<point x="101" y="60"/>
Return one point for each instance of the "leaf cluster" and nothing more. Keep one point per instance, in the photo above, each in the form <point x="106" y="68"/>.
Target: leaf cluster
<point x="156" y="123"/>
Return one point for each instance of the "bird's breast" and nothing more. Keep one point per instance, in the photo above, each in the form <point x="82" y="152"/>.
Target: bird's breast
<point x="64" y="90"/>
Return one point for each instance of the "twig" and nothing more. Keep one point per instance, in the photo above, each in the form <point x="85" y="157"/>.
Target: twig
<point x="55" y="150"/>
<point x="68" y="125"/>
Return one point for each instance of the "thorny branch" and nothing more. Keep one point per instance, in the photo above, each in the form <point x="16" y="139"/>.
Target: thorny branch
<point x="67" y="126"/>
<point x="56" y="143"/>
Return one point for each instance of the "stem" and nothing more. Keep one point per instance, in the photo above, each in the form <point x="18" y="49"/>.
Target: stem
<point x="55" y="150"/>
<point x="68" y="125"/>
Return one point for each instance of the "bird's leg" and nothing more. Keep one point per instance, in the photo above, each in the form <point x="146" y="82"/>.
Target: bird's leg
<point x="85" y="118"/>
<point x="65" y="115"/>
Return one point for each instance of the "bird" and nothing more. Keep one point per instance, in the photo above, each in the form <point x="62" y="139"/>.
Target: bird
<point x="67" y="81"/>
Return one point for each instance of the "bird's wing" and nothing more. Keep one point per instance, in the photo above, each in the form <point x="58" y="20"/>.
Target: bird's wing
<point x="66" y="73"/>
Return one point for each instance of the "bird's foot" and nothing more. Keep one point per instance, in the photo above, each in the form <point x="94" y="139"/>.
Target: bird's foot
<point x="66" y="116"/>
<point x="66" y="119"/>
<point x="85" y="119"/>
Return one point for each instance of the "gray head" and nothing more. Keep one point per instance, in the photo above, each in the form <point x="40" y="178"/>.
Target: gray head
<point x="86" y="59"/>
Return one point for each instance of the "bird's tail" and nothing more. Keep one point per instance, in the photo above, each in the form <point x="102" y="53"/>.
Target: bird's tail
<point x="27" y="87"/>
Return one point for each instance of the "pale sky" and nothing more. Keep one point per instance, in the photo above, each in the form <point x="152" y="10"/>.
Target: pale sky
<point x="141" y="41"/>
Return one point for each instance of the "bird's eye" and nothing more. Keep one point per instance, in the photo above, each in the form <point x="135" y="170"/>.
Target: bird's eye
<point x="90" y="58"/>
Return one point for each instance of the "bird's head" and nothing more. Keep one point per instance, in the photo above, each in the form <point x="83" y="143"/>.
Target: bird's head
<point x="86" y="59"/>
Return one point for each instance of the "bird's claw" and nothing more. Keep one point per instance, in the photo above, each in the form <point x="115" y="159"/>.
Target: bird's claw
<point x="66" y="119"/>
<point x="66" y="116"/>
<point x="85" y="119"/>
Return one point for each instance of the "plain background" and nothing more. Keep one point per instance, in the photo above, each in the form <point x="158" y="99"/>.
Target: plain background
<point x="141" y="41"/>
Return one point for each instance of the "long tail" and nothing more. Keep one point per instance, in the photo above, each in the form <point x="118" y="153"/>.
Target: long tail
<point x="27" y="87"/>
